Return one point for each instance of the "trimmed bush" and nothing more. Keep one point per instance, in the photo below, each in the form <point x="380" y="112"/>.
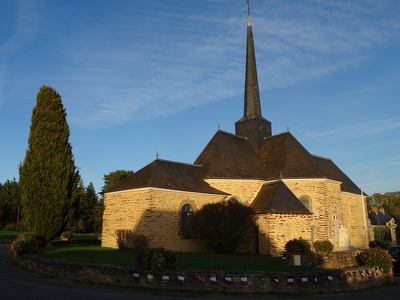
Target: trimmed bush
<point x="67" y="235"/>
<point x="24" y="244"/>
<point x="298" y="246"/>
<point x="156" y="260"/>
<point x="222" y="225"/>
<point x="138" y="242"/>
<point x="377" y="257"/>
<point x="126" y="239"/>
<point x="323" y="246"/>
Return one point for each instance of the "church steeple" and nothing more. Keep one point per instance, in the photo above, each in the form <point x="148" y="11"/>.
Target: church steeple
<point x="252" y="126"/>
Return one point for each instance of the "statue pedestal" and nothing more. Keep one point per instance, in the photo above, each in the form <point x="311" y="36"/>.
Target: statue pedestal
<point x="344" y="248"/>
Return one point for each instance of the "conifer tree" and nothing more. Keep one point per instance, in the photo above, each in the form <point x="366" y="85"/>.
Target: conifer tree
<point x="48" y="177"/>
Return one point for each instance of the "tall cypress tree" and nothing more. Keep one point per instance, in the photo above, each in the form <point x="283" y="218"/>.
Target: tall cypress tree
<point x="48" y="176"/>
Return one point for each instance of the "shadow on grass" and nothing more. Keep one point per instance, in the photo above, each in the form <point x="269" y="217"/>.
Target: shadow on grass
<point x="186" y="260"/>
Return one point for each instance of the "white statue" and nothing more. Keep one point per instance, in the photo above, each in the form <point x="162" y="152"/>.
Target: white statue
<point x="344" y="241"/>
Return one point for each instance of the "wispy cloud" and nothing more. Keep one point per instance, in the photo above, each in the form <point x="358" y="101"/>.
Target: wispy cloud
<point x="359" y="130"/>
<point x="21" y="30"/>
<point x="381" y="166"/>
<point x="139" y="65"/>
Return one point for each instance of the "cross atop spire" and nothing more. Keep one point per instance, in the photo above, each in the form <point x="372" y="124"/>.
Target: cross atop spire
<point x="248" y="8"/>
<point x="252" y="126"/>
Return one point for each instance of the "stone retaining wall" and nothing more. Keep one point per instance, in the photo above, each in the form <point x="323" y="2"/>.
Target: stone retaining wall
<point x="333" y="260"/>
<point x="253" y="282"/>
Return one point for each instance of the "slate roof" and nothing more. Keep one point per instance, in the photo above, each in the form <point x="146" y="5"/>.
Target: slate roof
<point x="283" y="155"/>
<point x="332" y="171"/>
<point x="229" y="156"/>
<point x="167" y="175"/>
<point x="383" y="218"/>
<point x="277" y="198"/>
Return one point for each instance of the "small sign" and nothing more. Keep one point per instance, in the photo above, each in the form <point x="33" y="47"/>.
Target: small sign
<point x="290" y="280"/>
<point x="181" y="279"/>
<point x="213" y="279"/>
<point x="150" y="278"/>
<point x="243" y="280"/>
<point x="136" y="275"/>
<point x="165" y="279"/>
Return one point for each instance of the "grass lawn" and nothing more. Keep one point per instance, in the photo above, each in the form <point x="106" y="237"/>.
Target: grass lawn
<point x="90" y="253"/>
<point x="6" y="237"/>
<point x="191" y="261"/>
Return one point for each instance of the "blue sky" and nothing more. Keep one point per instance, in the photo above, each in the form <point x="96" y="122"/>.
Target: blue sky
<point x="141" y="77"/>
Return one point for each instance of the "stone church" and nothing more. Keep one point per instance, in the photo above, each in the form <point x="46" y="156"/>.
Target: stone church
<point x="292" y="192"/>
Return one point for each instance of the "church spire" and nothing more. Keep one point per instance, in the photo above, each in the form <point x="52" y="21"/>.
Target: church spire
<point x="252" y="126"/>
<point x="252" y="106"/>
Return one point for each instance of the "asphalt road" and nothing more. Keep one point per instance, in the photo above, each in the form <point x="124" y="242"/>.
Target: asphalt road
<point x="16" y="283"/>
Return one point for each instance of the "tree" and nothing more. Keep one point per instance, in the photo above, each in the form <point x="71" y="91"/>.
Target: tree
<point x="223" y="225"/>
<point x="49" y="179"/>
<point x="113" y="178"/>
<point x="86" y="211"/>
<point x="10" y="199"/>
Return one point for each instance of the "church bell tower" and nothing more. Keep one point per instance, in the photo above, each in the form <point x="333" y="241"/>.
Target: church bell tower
<point x="252" y="126"/>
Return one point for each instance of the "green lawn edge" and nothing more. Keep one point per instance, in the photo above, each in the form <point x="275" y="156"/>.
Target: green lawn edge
<point x="79" y="251"/>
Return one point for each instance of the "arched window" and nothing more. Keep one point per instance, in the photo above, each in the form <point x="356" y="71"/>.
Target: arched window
<point x="306" y="202"/>
<point x="186" y="215"/>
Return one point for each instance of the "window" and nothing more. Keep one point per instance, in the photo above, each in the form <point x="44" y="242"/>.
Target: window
<point x="306" y="202"/>
<point x="186" y="215"/>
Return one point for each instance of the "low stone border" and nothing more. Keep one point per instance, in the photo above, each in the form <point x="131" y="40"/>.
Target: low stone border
<point x="253" y="282"/>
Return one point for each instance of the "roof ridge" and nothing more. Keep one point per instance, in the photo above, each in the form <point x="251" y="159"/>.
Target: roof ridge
<point x="322" y="157"/>
<point x="176" y="162"/>
<point x="230" y="133"/>
<point x="277" y="135"/>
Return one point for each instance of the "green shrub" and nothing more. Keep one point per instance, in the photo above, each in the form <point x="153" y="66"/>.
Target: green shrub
<point x="123" y="236"/>
<point x="298" y="246"/>
<point x="323" y="246"/>
<point x="126" y="239"/>
<point x="222" y="225"/>
<point x="377" y="257"/>
<point x="24" y="244"/>
<point x="138" y="242"/>
<point x="156" y="260"/>
<point x="381" y="244"/>
<point x="10" y="227"/>
<point x="67" y="235"/>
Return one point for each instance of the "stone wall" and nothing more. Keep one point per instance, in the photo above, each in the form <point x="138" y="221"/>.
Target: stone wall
<point x="333" y="260"/>
<point x="154" y="213"/>
<point x="335" y="207"/>
<point x="214" y="281"/>
<point x="275" y="230"/>
<point x="244" y="190"/>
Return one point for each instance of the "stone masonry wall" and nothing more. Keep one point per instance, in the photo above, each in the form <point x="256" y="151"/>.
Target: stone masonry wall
<point x="154" y="213"/>
<point x="336" y="207"/>
<point x="213" y="281"/>
<point x="245" y="190"/>
<point x="275" y="230"/>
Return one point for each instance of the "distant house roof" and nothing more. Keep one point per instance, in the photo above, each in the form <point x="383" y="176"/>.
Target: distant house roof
<point x="383" y="218"/>
<point x="277" y="198"/>
<point x="167" y="175"/>
<point x="229" y="156"/>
